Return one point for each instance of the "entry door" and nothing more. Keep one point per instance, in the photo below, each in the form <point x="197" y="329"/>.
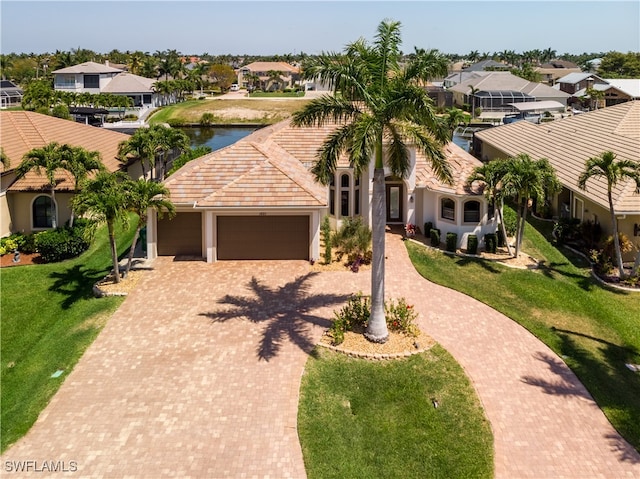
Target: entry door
<point x="394" y="203"/>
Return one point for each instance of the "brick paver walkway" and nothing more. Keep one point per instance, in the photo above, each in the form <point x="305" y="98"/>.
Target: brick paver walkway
<point x="197" y="375"/>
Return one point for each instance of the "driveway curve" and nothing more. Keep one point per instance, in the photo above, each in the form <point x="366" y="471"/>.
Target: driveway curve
<point x="197" y="375"/>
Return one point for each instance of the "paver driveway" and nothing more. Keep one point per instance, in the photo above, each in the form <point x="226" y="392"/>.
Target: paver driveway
<point x="197" y="375"/>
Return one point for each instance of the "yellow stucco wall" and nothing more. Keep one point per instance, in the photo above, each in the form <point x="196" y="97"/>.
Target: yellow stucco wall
<point x="21" y="208"/>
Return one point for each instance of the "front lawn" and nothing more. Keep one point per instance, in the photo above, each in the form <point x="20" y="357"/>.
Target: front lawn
<point x="360" y="418"/>
<point x="595" y="330"/>
<point x="49" y="318"/>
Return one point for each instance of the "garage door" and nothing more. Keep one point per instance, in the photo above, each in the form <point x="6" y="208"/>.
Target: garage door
<point x="263" y="237"/>
<point x="181" y="235"/>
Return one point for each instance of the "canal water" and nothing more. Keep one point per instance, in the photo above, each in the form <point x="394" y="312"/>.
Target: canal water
<point x="219" y="137"/>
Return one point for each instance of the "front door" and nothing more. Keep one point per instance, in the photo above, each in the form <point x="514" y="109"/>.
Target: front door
<point x="395" y="196"/>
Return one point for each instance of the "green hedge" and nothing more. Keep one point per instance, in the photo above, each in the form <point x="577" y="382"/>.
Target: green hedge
<point x="472" y="244"/>
<point x="435" y="237"/>
<point x="62" y="243"/>
<point x="491" y="242"/>
<point x="452" y="242"/>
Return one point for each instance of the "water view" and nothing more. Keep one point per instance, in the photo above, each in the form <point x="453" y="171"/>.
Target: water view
<point x="216" y="137"/>
<point x="219" y="137"/>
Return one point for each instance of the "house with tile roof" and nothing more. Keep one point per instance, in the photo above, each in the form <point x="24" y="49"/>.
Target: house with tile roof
<point x="94" y="78"/>
<point x="567" y="144"/>
<point x="613" y="90"/>
<point x="257" y="199"/>
<point x="25" y="204"/>
<point x="289" y="75"/>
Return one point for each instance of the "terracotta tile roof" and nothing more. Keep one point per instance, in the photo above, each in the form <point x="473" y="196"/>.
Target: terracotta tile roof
<point x="255" y="171"/>
<point x="569" y="142"/>
<point x="271" y="166"/>
<point x="266" y="66"/>
<point x="461" y="164"/>
<point x="21" y="131"/>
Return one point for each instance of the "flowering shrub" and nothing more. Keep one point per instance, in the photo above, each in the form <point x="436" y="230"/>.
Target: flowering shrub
<point x="401" y="317"/>
<point x="410" y="229"/>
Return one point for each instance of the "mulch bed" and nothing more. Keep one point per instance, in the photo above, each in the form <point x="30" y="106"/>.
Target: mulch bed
<point x="25" y="259"/>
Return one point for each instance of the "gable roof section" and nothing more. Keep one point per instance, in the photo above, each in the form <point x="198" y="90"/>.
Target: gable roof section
<point x="569" y="142"/>
<point x="253" y="172"/>
<point x="21" y="131"/>
<point x="505" y="81"/>
<point x="88" y="67"/>
<point x="275" y="66"/>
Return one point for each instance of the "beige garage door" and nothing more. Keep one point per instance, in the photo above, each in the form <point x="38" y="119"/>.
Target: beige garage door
<point x="263" y="237"/>
<point x="181" y="235"/>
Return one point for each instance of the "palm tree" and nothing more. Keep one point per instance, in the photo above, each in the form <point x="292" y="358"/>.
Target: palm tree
<point x="4" y="159"/>
<point x="79" y="162"/>
<point x="49" y="159"/>
<point x="607" y="165"/>
<point x="143" y="195"/>
<point x="472" y="97"/>
<point x="454" y="117"/>
<point x="105" y="199"/>
<point x="492" y="174"/>
<point x="275" y="78"/>
<point x="165" y="140"/>
<point x="376" y="98"/>
<point x="139" y="147"/>
<point x="525" y="180"/>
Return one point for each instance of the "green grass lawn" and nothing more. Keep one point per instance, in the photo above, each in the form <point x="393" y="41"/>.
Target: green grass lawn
<point x="190" y="112"/>
<point x="368" y="419"/>
<point x="49" y="318"/>
<point x="594" y="329"/>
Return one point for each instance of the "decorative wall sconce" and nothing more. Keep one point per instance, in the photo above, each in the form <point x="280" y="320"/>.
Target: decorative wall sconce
<point x="410" y="198"/>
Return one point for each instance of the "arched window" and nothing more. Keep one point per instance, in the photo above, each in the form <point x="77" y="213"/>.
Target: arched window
<point x="332" y="196"/>
<point x="42" y="212"/>
<point x="472" y="212"/>
<point x="448" y="209"/>
<point x="344" y="194"/>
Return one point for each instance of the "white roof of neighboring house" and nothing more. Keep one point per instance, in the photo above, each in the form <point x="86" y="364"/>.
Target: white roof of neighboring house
<point x="129" y="83"/>
<point x="568" y="143"/>
<point x="89" y="67"/>
<point x="630" y="86"/>
<point x="573" y="78"/>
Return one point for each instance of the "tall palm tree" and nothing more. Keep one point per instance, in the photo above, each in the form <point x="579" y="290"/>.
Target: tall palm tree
<point x="143" y="195"/>
<point x="614" y="171"/>
<point x="492" y="174"/>
<point x="105" y="199"/>
<point x="48" y="159"/>
<point x="525" y="180"/>
<point x="472" y="97"/>
<point x="165" y="141"/>
<point x="79" y="162"/>
<point x="376" y="99"/>
<point x="139" y="147"/>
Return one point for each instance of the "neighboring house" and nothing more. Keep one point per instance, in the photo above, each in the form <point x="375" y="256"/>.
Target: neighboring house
<point x="486" y="65"/>
<point x="94" y="78"/>
<point x="10" y="94"/>
<point x="554" y="70"/>
<point x="567" y="144"/>
<point x="288" y="78"/>
<point x="614" y="91"/>
<point x="257" y="199"/>
<point x="25" y="204"/>
<point x="495" y="91"/>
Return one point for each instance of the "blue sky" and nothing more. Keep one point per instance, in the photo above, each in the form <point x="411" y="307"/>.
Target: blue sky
<point x="269" y="27"/>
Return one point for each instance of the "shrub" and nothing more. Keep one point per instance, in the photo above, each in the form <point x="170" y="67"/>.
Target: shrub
<point x="353" y="239"/>
<point x="434" y="233"/>
<point x="325" y="231"/>
<point x="401" y="317"/>
<point x="61" y="111"/>
<point x="472" y="244"/>
<point x="61" y="243"/>
<point x="427" y="228"/>
<point x="510" y="218"/>
<point x="491" y="242"/>
<point x="175" y="122"/>
<point x="207" y="119"/>
<point x="591" y="233"/>
<point x="566" y="229"/>
<point x="452" y="242"/>
<point x="354" y="314"/>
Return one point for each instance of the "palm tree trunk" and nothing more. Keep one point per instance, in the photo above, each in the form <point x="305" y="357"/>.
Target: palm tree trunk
<point x="616" y="241"/>
<point x="504" y="228"/>
<point x="521" y="232"/>
<point x="377" y="329"/>
<point x="114" y="251"/>
<point x="132" y="249"/>
<point x="519" y="226"/>
<point x="54" y="208"/>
